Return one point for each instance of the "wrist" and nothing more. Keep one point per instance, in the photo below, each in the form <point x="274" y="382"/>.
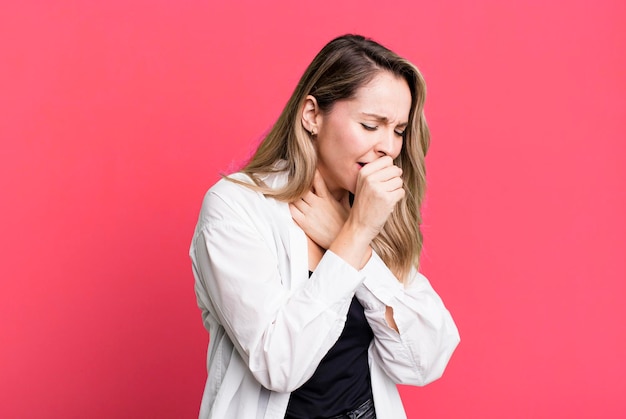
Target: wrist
<point x="353" y="245"/>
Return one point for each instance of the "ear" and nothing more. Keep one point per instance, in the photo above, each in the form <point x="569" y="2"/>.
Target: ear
<point x="311" y="115"/>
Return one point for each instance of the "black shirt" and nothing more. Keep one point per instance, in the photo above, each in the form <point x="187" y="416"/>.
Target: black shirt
<point x="341" y="381"/>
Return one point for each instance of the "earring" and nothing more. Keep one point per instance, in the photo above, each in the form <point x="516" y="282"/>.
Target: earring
<point x="313" y="133"/>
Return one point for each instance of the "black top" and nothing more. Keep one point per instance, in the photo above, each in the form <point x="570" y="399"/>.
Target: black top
<point x="341" y="381"/>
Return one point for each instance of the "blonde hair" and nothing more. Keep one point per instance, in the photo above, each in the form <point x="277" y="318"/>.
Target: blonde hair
<point x="339" y="69"/>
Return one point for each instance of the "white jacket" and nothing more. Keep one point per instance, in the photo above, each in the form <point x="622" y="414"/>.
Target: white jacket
<point x="270" y="324"/>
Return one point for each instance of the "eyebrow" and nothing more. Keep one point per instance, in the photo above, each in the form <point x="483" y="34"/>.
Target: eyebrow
<point x="383" y="119"/>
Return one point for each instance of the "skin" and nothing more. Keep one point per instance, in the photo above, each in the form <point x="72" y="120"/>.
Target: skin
<point x="356" y="142"/>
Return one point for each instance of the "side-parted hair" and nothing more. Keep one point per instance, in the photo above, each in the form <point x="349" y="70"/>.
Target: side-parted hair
<point x="344" y="65"/>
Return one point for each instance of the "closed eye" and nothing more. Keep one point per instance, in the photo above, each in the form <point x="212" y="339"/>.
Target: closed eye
<point x="375" y="127"/>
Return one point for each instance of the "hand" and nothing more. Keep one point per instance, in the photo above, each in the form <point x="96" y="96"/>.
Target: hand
<point x="379" y="187"/>
<point x="319" y="214"/>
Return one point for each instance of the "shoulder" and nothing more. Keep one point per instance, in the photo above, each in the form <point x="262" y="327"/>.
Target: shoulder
<point x="233" y="187"/>
<point x="229" y="189"/>
<point x="229" y="198"/>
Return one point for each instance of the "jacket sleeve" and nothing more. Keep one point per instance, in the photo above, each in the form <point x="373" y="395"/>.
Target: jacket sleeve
<point x="418" y="353"/>
<point x="282" y="335"/>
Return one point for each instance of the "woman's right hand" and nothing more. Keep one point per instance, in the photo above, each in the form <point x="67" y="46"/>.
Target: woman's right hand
<point x="379" y="187"/>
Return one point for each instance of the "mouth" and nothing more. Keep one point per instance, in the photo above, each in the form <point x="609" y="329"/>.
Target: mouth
<point x="361" y="163"/>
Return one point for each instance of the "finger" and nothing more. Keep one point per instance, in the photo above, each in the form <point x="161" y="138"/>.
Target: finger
<point x="393" y="184"/>
<point x="298" y="216"/>
<point x="378" y="164"/>
<point x="295" y="211"/>
<point x="308" y="198"/>
<point x="391" y="198"/>
<point x="300" y="205"/>
<point x="385" y="173"/>
<point x="398" y="194"/>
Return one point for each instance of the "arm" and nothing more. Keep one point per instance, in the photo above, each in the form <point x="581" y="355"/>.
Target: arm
<point x="281" y="335"/>
<point x="347" y="231"/>
<point x="414" y="333"/>
<point x="418" y="351"/>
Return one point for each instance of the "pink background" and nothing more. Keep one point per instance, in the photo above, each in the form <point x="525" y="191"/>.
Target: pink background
<point x="116" y="116"/>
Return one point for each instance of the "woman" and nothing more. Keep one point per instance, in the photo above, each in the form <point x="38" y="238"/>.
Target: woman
<point x="306" y="261"/>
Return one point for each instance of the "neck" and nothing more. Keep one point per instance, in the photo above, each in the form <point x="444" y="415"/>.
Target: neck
<point x="336" y="191"/>
<point x="339" y="194"/>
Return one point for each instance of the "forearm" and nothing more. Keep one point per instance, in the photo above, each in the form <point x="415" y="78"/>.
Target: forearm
<point x="418" y="348"/>
<point x="281" y="334"/>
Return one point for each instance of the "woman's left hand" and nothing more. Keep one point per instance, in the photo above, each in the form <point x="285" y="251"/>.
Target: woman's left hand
<point x="319" y="214"/>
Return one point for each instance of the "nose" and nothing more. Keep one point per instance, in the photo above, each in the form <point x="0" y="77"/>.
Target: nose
<point x="388" y="144"/>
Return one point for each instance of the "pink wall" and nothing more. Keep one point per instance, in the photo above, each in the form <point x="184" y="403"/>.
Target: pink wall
<point x="117" y="116"/>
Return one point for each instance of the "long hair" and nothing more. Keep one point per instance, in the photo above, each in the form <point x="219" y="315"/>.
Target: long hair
<point x="339" y="69"/>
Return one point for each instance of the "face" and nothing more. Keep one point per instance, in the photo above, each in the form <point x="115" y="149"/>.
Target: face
<point x="360" y="130"/>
